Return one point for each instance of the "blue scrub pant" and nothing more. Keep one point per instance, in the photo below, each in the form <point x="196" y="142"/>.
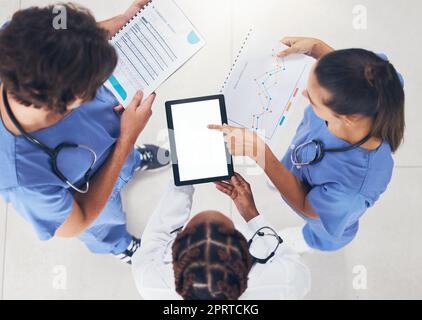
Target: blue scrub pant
<point x="108" y="234"/>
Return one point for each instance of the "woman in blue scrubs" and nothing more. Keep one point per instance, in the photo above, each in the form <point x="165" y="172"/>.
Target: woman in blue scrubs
<point x="340" y="161"/>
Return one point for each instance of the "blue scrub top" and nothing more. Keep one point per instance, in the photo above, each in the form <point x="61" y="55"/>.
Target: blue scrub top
<point x="341" y="187"/>
<point x="26" y="179"/>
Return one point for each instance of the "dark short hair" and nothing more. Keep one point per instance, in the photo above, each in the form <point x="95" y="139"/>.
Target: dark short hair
<point x="46" y="67"/>
<point x="361" y="82"/>
<point x="211" y="262"/>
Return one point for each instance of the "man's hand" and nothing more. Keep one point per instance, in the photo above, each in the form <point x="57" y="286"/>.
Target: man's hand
<point x="134" y="9"/>
<point x="239" y="190"/>
<point x="135" y="118"/>
<point x="113" y="25"/>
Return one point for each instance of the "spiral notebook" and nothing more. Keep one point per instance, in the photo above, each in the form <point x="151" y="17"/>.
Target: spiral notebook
<point x="151" y="47"/>
<point x="261" y="90"/>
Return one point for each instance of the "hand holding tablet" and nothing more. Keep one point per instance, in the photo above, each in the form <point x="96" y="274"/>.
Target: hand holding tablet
<point x="199" y="155"/>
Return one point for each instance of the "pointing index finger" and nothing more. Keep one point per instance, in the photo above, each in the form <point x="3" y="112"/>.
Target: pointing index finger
<point x="216" y="127"/>
<point x="223" y="128"/>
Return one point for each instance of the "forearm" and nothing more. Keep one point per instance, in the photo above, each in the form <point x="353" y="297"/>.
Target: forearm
<point x="87" y="207"/>
<point x="103" y="183"/>
<point x="250" y="213"/>
<point x="170" y="216"/>
<point x="288" y="185"/>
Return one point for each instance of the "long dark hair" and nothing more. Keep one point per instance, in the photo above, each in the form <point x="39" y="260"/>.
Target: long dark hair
<point x="211" y="262"/>
<point x="362" y="83"/>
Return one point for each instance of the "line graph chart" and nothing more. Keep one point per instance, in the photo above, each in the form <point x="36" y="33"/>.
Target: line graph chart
<point x="262" y="88"/>
<point x="266" y="83"/>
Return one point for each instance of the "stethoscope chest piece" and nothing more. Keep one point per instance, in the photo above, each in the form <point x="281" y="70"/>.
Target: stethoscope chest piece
<point x="320" y="151"/>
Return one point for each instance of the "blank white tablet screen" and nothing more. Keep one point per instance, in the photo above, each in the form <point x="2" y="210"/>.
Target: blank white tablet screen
<point x="200" y="151"/>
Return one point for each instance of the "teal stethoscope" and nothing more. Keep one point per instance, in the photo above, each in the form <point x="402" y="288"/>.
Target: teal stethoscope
<point x="54" y="153"/>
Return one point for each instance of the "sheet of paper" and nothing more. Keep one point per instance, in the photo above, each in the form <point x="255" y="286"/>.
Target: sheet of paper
<point x="154" y="45"/>
<point x="262" y="89"/>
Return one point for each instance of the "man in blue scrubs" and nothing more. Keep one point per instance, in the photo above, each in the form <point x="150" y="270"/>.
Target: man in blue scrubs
<point x="52" y="95"/>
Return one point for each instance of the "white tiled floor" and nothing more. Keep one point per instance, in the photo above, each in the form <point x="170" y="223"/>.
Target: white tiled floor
<point x="387" y="246"/>
<point x="388" y="243"/>
<point x="3" y="226"/>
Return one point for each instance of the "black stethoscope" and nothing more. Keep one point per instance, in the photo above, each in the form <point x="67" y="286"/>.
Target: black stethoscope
<point x="261" y="234"/>
<point x="321" y="151"/>
<point x="53" y="153"/>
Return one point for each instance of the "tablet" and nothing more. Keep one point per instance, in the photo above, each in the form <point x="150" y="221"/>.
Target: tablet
<point x="199" y="155"/>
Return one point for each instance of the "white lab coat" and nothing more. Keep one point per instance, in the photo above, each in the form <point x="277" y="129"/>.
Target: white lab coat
<point x="284" y="277"/>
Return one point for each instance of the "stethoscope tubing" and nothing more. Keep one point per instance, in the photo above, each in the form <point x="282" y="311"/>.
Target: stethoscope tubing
<point x="52" y="153"/>
<point x="319" y="146"/>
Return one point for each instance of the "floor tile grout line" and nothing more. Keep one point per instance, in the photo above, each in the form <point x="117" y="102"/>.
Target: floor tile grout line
<point x="408" y="167"/>
<point x="3" y="278"/>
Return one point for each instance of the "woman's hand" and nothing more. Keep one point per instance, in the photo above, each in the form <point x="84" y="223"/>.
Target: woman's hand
<point x="239" y="190"/>
<point x="310" y="46"/>
<point x="242" y="142"/>
<point x="135" y="118"/>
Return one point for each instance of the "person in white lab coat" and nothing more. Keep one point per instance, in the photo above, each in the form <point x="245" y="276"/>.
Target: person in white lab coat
<point x="207" y="258"/>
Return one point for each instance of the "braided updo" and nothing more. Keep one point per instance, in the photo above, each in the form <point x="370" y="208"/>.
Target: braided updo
<point x="211" y="262"/>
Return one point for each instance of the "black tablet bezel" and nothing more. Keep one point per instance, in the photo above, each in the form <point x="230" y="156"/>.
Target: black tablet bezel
<point x="174" y="158"/>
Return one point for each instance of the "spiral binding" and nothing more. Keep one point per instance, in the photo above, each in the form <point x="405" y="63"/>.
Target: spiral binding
<point x="237" y="59"/>
<point x="130" y="21"/>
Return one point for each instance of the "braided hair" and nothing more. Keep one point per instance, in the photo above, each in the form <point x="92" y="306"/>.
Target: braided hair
<point x="211" y="262"/>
